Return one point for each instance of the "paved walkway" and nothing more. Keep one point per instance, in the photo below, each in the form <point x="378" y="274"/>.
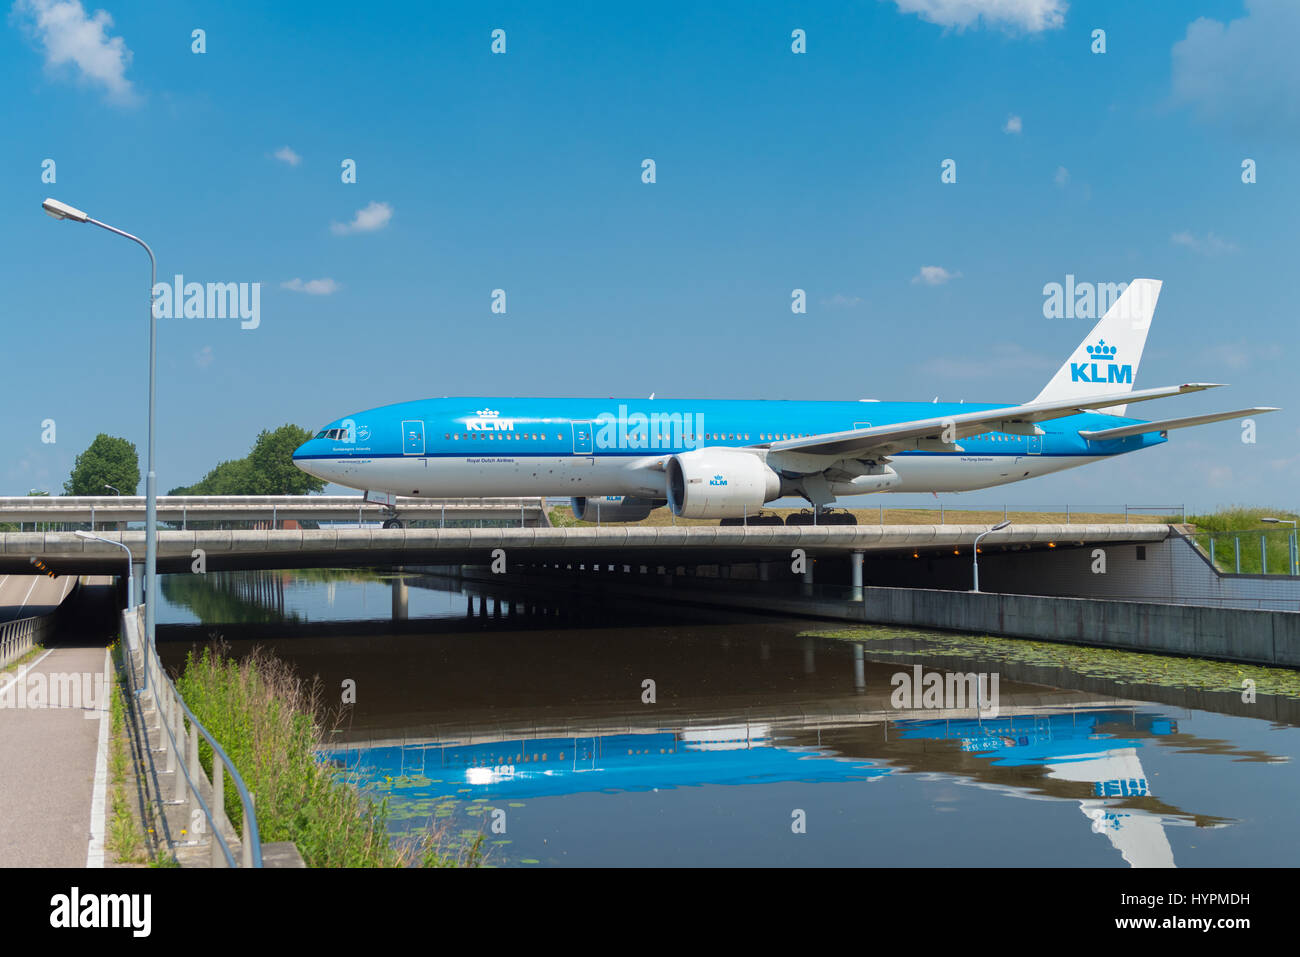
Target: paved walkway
<point x="51" y="738"/>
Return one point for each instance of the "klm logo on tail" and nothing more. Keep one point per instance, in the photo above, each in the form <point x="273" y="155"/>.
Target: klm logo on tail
<point x="1101" y="366"/>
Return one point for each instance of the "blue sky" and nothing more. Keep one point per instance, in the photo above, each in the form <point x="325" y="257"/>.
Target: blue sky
<point x="523" y="171"/>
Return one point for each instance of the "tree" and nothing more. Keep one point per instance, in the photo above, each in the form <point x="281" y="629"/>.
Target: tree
<point x="108" y="461"/>
<point x="271" y="463"/>
<point x="267" y="470"/>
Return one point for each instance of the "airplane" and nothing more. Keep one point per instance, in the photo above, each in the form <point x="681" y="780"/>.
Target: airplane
<point x="618" y="459"/>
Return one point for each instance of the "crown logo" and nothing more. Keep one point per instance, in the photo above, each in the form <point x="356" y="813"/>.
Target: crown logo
<point x="1102" y="351"/>
<point x="487" y="413"/>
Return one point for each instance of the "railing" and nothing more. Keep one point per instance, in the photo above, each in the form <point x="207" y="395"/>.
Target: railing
<point x="182" y="748"/>
<point x="19" y="637"/>
<point x="1248" y="551"/>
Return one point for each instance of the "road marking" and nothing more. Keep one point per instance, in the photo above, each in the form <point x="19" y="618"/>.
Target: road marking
<point x="98" y="799"/>
<point x="27" y="596"/>
<point x="23" y="671"/>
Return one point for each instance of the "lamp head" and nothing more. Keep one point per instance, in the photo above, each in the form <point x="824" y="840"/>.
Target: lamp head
<point x="59" y="210"/>
<point x="999" y="526"/>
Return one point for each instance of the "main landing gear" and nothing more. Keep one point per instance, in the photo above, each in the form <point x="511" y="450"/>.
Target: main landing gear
<point x="825" y="516"/>
<point x="393" y="523"/>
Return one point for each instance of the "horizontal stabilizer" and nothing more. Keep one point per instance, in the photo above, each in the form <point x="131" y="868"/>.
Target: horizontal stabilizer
<point x="1164" y="425"/>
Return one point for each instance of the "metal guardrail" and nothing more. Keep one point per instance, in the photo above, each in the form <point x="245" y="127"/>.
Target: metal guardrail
<point x="182" y="749"/>
<point x="19" y="637"/>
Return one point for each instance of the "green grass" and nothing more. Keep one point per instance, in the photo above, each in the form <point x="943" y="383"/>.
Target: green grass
<point x="1228" y="525"/>
<point x="270" y="724"/>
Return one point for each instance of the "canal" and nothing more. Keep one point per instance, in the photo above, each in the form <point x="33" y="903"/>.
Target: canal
<point x="601" y="732"/>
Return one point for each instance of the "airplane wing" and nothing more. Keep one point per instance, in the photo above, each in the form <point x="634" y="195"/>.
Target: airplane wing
<point x="928" y="434"/>
<point x="1164" y="425"/>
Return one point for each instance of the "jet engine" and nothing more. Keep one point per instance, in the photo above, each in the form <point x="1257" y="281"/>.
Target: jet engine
<point x="719" y="483"/>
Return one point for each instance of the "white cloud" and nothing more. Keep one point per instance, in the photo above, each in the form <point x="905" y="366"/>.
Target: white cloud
<point x="935" y="276"/>
<point x="842" y="301"/>
<point x="285" y="155"/>
<point x="203" y="358"/>
<point x="71" y="37"/>
<point x="313" y="287"/>
<point x="1220" y="476"/>
<point x="1245" y="70"/>
<point x="1061" y="176"/>
<point x="1032" y="16"/>
<point x="1012" y="125"/>
<point x="374" y="216"/>
<point x="1240" y="355"/>
<point x="1001" y="359"/>
<point x="1211" y="245"/>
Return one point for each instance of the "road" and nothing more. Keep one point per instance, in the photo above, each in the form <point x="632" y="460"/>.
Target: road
<point x="27" y="596"/>
<point x="50" y="737"/>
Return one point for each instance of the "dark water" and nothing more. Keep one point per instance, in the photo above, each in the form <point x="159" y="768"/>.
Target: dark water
<point x="530" y="721"/>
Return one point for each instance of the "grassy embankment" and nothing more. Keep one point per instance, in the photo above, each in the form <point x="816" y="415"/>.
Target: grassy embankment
<point x="270" y="724"/>
<point x="1243" y="523"/>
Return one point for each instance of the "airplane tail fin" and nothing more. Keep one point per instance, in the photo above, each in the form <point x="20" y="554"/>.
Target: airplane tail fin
<point x="1107" y="360"/>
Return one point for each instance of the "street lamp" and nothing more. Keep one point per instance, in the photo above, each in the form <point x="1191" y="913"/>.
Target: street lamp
<point x="975" y="552"/>
<point x="130" y="589"/>
<point x="63" y="211"/>
<point x="106" y="485"/>
<point x="130" y="592"/>
<point x="1292" y="547"/>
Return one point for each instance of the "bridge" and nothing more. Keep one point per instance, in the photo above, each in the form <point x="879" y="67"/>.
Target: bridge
<point x="100" y="510"/>
<point x="65" y="553"/>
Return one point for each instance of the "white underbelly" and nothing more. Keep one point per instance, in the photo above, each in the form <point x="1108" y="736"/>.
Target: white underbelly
<point x="957" y="472"/>
<point x="494" y="475"/>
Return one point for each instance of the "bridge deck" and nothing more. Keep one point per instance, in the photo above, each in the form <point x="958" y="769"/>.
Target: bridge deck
<point x="67" y="554"/>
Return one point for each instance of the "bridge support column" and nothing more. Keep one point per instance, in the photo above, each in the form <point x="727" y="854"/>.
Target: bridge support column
<point x="764" y="571"/>
<point x="807" y="579"/>
<point x="859" y="669"/>
<point x="856" y="566"/>
<point x="400" y="596"/>
<point x="137" y="577"/>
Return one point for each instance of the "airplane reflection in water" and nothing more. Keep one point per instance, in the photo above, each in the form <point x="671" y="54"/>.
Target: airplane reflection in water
<point x="1071" y="746"/>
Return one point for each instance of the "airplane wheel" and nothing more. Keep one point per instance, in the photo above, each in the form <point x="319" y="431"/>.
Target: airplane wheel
<point x="393" y="523"/>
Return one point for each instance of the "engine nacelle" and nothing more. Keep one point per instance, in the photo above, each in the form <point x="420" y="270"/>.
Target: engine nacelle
<point x="719" y="483"/>
<point x="613" y="508"/>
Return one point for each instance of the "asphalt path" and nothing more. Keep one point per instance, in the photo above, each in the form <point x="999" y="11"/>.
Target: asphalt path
<point x="51" y="710"/>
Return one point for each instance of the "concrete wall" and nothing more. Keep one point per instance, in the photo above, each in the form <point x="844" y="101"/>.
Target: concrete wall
<point x="1198" y="631"/>
<point x="1259" y="637"/>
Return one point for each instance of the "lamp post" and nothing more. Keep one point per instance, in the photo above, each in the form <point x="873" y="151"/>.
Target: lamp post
<point x="975" y="552"/>
<point x="63" y="211"/>
<point x="130" y="593"/>
<point x="1291" y="548"/>
<point x="106" y="485"/>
